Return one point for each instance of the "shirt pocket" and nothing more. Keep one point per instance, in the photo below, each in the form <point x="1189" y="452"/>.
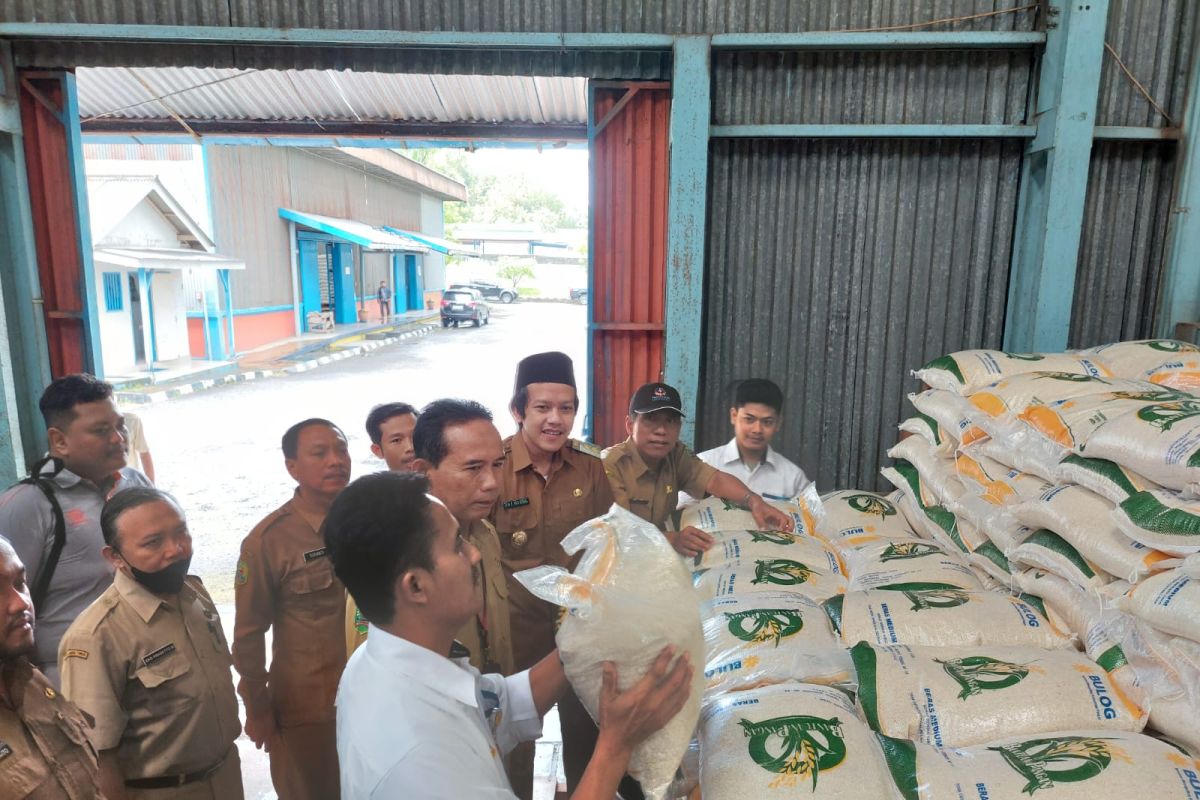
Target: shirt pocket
<point x="166" y="684"/>
<point x="76" y="731"/>
<point x="307" y="593"/>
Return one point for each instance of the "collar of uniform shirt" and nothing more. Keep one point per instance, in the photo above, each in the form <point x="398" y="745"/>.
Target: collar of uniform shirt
<point x="420" y="664"/>
<point x="640" y="463"/>
<point x="143" y="601"/>
<point x="731" y="455"/>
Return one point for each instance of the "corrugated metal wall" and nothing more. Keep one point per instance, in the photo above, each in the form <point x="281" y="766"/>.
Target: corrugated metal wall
<point x="1131" y="186"/>
<point x="835" y="266"/>
<point x="255" y="182"/>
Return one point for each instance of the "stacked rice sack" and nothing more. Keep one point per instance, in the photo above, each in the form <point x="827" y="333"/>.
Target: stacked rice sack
<point x="1070" y="481"/>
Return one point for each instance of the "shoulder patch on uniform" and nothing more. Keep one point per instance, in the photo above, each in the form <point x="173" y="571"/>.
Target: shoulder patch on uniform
<point x="75" y="653"/>
<point x="587" y="448"/>
<point x="243" y="573"/>
<point x="159" y="654"/>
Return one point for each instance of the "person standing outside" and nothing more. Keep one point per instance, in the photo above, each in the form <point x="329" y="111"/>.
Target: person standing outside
<point x="756" y="415"/>
<point x="137" y="454"/>
<point x="549" y="485"/>
<point x="285" y="584"/>
<point x="47" y="755"/>
<point x="85" y="465"/>
<point x="149" y="662"/>
<point x="390" y="428"/>
<point x="649" y="469"/>
<point x="384" y="295"/>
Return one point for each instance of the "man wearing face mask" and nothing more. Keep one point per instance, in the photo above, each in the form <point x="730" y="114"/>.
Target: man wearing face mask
<point x="149" y="662"/>
<point x="86" y="434"/>
<point x="285" y="584"/>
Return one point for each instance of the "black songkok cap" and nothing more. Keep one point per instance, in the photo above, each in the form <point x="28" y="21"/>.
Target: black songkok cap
<point x="553" y="367"/>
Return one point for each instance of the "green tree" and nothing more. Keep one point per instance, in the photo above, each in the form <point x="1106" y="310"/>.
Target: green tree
<point x="515" y="272"/>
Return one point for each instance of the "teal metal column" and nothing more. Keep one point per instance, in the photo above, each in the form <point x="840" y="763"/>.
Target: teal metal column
<point x="227" y="292"/>
<point x="24" y="357"/>
<point x="687" y="206"/>
<point x="1054" y="178"/>
<point x="1180" y="300"/>
<point x="147" y="293"/>
<point x="91" y="301"/>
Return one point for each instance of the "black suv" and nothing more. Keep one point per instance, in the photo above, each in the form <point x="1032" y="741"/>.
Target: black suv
<point x="491" y="291"/>
<point x="464" y="305"/>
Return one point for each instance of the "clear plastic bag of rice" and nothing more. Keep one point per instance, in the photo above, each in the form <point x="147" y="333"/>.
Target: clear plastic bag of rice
<point x="1068" y="765"/>
<point x="855" y="518"/>
<point x="770" y="637"/>
<point x="715" y="514"/>
<point x="956" y="697"/>
<point x="970" y="370"/>
<point x="628" y="597"/>
<point x="907" y="560"/>
<point x="789" y="741"/>
<point x="941" y="615"/>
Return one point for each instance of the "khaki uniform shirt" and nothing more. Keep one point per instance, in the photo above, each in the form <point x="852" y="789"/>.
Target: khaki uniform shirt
<point x="532" y="516"/>
<point x="653" y="493"/>
<point x="154" y="674"/>
<point x="285" y="582"/>
<point x="45" y="753"/>
<point x="495" y="615"/>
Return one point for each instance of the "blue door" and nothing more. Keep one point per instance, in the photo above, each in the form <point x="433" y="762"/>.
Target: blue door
<point x="414" y="282"/>
<point x="343" y="284"/>
<point x="399" y="285"/>
<point x="310" y="281"/>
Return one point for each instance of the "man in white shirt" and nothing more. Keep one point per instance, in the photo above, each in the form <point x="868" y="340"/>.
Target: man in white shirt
<point x="414" y="719"/>
<point x="755" y="416"/>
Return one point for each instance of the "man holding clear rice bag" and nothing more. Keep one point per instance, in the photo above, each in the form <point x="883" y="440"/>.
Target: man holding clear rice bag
<point x="413" y="720"/>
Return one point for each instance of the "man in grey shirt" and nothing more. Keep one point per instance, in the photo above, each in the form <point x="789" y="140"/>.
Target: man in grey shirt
<point x="87" y="437"/>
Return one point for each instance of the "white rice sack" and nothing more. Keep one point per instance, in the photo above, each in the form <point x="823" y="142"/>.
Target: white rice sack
<point x="908" y="560"/>
<point x="941" y="615"/>
<point x="921" y="508"/>
<point x="1106" y="478"/>
<point x="943" y="442"/>
<point x="1158" y="440"/>
<point x="812" y="569"/>
<point x="770" y="637"/>
<point x="1085" y="520"/>
<point x="789" y="741"/>
<point x="938" y="473"/>
<point x="1007" y="398"/>
<point x="744" y="547"/>
<point x="1046" y="550"/>
<point x="1019" y="449"/>
<point x="1068" y="765"/>
<point x="1067" y="426"/>
<point x="855" y="518"/>
<point x="956" y="697"/>
<point x="1162" y="520"/>
<point x="1079" y="609"/>
<point x="969" y="370"/>
<point x="953" y="414"/>
<point x="1168" y="601"/>
<point x="628" y="597"/>
<point x="1162" y="361"/>
<point x="1175" y="718"/>
<point x="715" y="514"/>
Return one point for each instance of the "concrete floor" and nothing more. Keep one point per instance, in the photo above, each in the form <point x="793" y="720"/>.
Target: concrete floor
<point x="218" y="451"/>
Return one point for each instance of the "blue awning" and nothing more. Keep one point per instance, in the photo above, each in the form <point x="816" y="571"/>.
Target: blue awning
<point x="359" y="233"/>
<point x="435" y="243"/>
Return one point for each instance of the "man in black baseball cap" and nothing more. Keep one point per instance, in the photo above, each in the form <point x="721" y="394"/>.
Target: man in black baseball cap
<point x="648" y="470"/>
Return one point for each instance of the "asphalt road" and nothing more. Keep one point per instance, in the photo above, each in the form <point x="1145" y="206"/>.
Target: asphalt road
<point x="218" y="451"/>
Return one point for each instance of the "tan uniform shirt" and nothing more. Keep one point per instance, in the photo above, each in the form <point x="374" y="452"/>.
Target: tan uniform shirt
<point x="154" y="674"/>
<point x="285" y="582"/>
<point x="45" y="753"/>
<point x="653" y="493"/>
<point x="532" y="516"/>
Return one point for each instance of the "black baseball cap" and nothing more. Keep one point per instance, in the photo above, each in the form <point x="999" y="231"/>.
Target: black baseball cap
<point x="651" y="397"/>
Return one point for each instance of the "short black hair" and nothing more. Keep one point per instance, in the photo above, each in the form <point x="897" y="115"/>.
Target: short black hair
<point x="291" y="437"/>
<point x="381" y="414"/>
<point x="429" y="435"/>
<point x="520" y="400"/>
<point x="63" y="394"/>
<point x="379" y="527"/>
<point x="128" y="499"/>
<point x="759" y="390"/>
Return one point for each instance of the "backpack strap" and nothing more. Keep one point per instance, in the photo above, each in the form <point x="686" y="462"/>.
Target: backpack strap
<point x="51" y="555"/>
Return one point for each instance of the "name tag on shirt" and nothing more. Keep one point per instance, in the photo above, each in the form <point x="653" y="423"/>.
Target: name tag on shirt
<point x="520" y="501"/>
<point x="315" y="554"/>
<point x="159" y="654"/>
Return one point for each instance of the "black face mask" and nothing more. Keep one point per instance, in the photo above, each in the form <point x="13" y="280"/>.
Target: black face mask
<point x="168" y="580"/>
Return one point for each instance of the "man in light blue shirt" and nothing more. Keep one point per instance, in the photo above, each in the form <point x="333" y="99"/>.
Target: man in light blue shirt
<point x="756" y="415"/>
<point x="414" y="720"/>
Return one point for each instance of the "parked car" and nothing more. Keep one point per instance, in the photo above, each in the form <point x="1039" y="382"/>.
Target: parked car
<point x="464" y="305"/>
<point x="579" y="295"/>
<point x="490" y="291"/>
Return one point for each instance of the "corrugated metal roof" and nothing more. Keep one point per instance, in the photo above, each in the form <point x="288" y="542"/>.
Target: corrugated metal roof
<point x="164" y="258"/>
<point x="326" y="95"/>
<point x="368" y="236"/>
